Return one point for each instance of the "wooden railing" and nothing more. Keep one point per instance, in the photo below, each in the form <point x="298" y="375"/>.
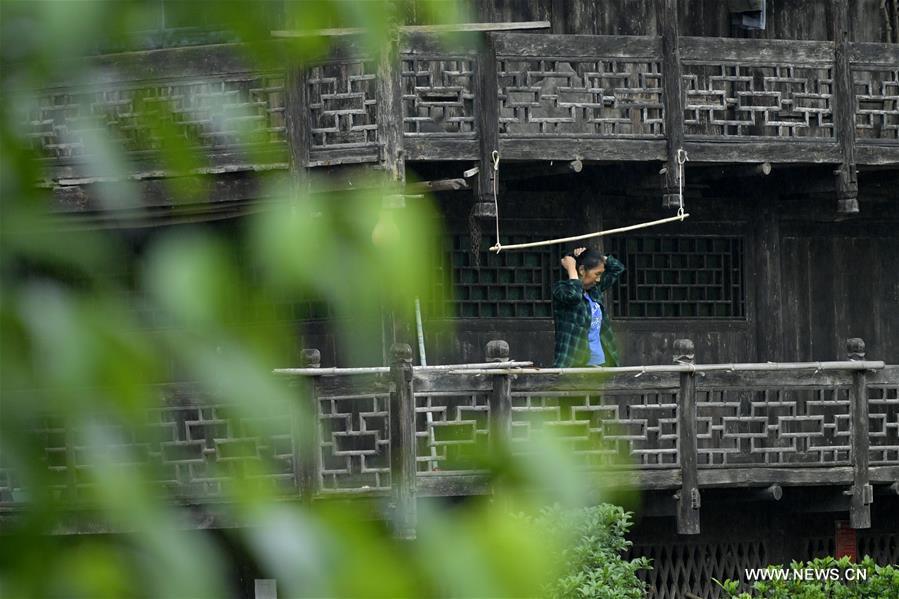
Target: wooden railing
<point x="682" y="427"/>
<point x="423" y="431"/>
<point x="529" y="96"/>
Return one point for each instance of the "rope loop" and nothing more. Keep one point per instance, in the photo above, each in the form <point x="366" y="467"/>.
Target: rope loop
<point x="681" y="158"/>
<point x="495" y="156"/>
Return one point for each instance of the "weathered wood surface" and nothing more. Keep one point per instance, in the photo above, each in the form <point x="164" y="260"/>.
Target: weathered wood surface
<point x="673" y="99"/>
<point x="688" y="498"/>
<point x="577" y="46"/>
<point x="487" y="111"/>
<point x="402" y="450"/>
<point x="717" y="49"/>
<point x="583" y="147"/>
<point x="802" y="379"/>
<point x="871" y="152"/>
<point x="844" y="111"/>
<point x="225" y="61"/>
<point x="874" y="54"/>
<point x="436" y="148"/>
<point x="788" y="151"/>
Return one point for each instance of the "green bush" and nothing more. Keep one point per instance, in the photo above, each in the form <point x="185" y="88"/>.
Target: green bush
<point x="592" y="565"/>
<point x="882" y="582"/>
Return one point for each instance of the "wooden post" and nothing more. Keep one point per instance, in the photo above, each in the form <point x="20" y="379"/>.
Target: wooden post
<point x="487" y="108"/>
<point x="672" y="98"/>
<point x="688" y="500"/>
<point x="768" y="288"/>
<point x="395" y="328"/>
<point x="402" y="442"/>
<point x="297" y="122"/>
<point x="306" y="447"/>
<point x="862" y="493"/>
<point x="390" y="109"/>
<point x="500" y="400"/>
<point x="844" y="111"/>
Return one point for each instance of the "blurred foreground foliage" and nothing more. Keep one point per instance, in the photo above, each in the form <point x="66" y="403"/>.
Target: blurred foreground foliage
<point x="592" y="565"/>
<point x="90" y="327"/>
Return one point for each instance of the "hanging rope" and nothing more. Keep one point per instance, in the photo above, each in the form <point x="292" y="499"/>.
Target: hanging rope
<point x="681" y="158"/>
<point x="495" y="156"/>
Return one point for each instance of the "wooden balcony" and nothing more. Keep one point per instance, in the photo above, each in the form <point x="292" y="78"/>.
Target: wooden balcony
<point x="531" y="97"/>
<point x="681" y="429"/>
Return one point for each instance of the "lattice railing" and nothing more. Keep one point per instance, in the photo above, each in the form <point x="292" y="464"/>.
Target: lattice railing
<point x="592" y="89"/>
<point x="883" y="416"/>
<point x="238" y="115"/>
<point x="773" y="427"/>
<point x="552" y="89"/>
<point x="681" y="427"/>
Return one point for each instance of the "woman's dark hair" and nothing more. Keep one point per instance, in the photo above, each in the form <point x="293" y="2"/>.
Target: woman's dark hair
<point x="589" y="259"/>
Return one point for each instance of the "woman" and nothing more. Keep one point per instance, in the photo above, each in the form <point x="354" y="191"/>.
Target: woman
<point x="583" y="332"/>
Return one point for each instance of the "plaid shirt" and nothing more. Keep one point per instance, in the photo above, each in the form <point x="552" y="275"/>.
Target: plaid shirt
<point x="571" y="316"/>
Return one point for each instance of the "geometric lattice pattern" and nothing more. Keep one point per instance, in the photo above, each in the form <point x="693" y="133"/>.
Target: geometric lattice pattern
<point x="343" y="104"/>
<point x="438" y="96"/>
<point x="772" y="427"/>
<point x="451" y="430"/>
<point x="602" y="430"/>
<point x="679" y="277"/>
<point x="505" y="285"/>
<point x="883" y="424"/>
<point x="783" y="101"/>
<point x="598" y="97"/>
<point x="666" y="277"/>
<point x="681" y="568"/>
<point x="190" y="447"/>
<point x="211" y="113"/>
<point x="877" y="102"/>
<point x="355" y="441"/>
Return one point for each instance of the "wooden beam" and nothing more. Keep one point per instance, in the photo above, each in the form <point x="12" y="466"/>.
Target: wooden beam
<point x="727" y="172"/>
<point x="299" y="136"/>
<point x="666" y="17"/>
<point x="390" y="112"/>
<point x="438" y="185"/>
<point x="543" y="169"/>
<point x="844" y="110"/>
<point x="487" y="109"/>
<point x="441" y="28"/>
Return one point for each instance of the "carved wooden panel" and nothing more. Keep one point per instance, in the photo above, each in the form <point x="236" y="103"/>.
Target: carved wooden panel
<point x="214" y="112"/>
<point x="343" y="104"/>
<point x="438" y="96"/>
<point x="612" y="428"/>
<point x="451" y="430"/>
<point x="877" y="102"/>
<point x="772" y="427"/>
<point x="775" y="100"/>
<point x="597" y="97"/>
<point x="355" y="441"/>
